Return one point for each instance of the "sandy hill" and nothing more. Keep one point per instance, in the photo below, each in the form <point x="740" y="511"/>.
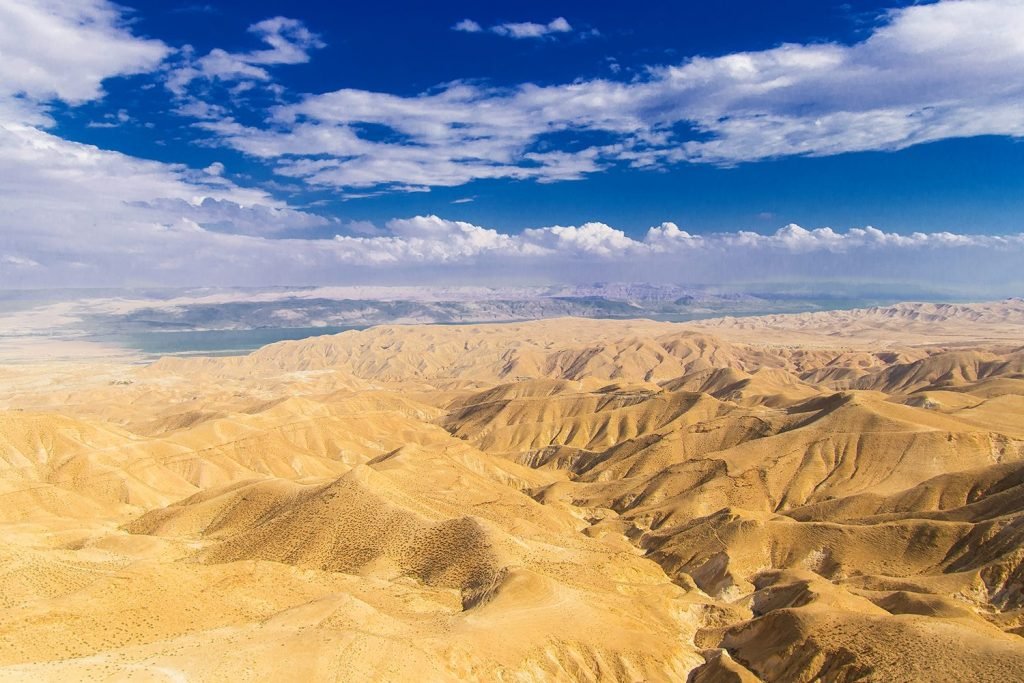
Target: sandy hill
<point x="833" y="496"/>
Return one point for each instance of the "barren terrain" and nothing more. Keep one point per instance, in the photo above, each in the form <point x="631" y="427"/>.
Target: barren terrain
<point x="831" y="496"/>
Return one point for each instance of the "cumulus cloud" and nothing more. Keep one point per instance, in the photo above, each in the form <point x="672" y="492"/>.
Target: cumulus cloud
<point x="589" y="239"/>
<point x="517" y="29"/>
<point x="928" y="72"/>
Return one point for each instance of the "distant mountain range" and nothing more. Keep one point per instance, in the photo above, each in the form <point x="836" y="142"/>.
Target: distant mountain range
<point x="231" y="319"/>
<point x="238" y="309"/>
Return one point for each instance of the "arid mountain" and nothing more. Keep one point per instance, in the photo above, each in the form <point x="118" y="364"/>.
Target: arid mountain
<point x="834" y="496"/>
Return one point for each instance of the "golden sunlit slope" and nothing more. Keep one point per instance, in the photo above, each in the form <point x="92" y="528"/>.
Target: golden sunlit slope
<point x="881" y="326"/>
<point x="832" y="496"/>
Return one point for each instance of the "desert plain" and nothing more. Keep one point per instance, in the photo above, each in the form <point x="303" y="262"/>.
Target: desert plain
<point x="833" y="496"/>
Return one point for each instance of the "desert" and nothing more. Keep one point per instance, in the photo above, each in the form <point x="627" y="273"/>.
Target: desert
<point x="512" y="342"/>
<point x="833" y="496"/>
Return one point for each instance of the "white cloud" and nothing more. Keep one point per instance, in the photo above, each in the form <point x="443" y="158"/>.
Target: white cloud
<point x="229" y="216"/>
<point x="164" y="242"/>
<point x="55" y="49"/>
<point x="517" y="29"/>
<point x="65" y="202"/>
<point x="290" y="43"/>
<point x="929" y="72"/>
<point x="198" y="109"/>
<point x="936" y="71"/>
<point x="591" y="239"/>
<point x="16" y="261"/>
<point x="468" y="26"/>
<point x="429" y="240"/>
<point x="529" y="29"/>
<point x="64" y="50"/>
<point x="74" y="214"/>
<point x="462" y="133"/>
<point x="112" y="120"/>
<point x="289" y="40"/>
<point x="559" y="25"/>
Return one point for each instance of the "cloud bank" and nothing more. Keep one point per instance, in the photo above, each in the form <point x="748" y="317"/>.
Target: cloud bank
<point x="174" y="250"/>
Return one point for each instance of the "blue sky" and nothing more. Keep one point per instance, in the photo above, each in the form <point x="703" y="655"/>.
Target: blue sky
<point x="306" y="143"/>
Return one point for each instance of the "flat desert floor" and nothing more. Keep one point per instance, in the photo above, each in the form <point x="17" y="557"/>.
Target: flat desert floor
<point x="832" y="496"/>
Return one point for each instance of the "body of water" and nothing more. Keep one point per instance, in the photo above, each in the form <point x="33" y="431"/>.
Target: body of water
<point x="164" y="342"/>
<point x="215" y="342"/>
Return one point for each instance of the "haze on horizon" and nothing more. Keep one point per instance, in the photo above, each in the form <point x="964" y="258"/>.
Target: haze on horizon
<point x="185" y="144"/>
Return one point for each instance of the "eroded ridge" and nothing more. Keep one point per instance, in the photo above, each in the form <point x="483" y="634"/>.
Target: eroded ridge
<point x="830" y="497"/>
